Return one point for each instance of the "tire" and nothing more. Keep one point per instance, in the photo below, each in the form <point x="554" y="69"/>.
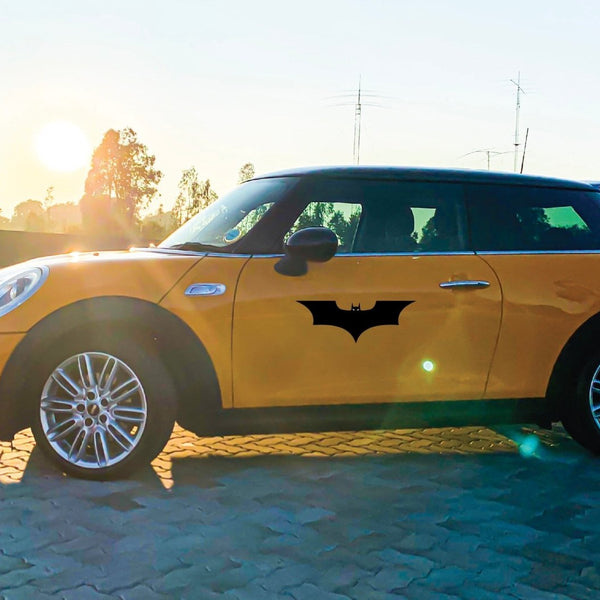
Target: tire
<point x="581" y="416"/>
<point x="102" y="408"/>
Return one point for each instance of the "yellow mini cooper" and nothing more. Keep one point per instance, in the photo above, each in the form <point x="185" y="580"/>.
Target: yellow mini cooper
<point x="314" y="299"/>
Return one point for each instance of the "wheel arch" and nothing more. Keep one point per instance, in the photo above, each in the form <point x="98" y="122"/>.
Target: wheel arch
<point x="563" y="378"/>
<point x="159" y="330"/>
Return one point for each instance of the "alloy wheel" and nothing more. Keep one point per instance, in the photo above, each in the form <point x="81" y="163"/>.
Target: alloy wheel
<point x="93" y="410"/>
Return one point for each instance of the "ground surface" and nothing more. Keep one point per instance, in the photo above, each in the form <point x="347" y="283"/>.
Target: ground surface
<point x="466" y="513"/>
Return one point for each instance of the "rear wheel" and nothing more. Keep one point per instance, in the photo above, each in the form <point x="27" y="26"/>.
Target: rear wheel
<point x="103" y="410"/>
<point x="581" y="416"/>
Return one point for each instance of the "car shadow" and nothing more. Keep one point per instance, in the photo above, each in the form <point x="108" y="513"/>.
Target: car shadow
<point x="206" y="465"/>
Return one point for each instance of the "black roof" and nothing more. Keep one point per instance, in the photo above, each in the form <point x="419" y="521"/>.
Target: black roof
<point x="426" y="174"/>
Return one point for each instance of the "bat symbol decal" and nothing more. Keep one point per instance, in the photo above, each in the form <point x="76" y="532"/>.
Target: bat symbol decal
<point x="355" y="321"/>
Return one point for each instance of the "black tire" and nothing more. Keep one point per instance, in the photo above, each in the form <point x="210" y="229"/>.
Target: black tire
<point x="157" y="390"/>
<point x="577" y="415"/>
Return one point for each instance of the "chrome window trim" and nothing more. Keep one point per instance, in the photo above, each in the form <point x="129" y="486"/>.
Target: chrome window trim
<point x="175" y="251"/>
<point x="227" y="255"/>
<point x="365" y="254"/>
<point x="510" y="252"/>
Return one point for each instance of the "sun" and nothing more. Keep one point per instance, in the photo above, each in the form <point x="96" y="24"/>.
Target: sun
<point x="62" y="146"/>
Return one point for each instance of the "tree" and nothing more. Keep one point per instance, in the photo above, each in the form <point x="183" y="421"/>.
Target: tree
<point x="194" y="195"/>
<point x="122" y="180"/>
<point x="4" y="222"/>
<point x="158" y="226"/>
<point x="49" y="198"/>
<point x="29" y="215"/>
<point x="246" y="172"/>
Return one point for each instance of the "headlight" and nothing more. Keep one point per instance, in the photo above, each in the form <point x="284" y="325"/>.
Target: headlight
<point x="17" y="286"/>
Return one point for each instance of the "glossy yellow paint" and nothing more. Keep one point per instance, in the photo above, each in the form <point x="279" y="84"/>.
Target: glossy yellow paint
<point x="546" y="298"/>
<point x="281" y="359"/>
<point x="144" y="275"/>
<point x="210" y="317"/>
<point x="498" y="342"/>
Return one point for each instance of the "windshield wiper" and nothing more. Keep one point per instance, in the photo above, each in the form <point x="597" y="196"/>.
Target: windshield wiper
<point x="196" y="246"/>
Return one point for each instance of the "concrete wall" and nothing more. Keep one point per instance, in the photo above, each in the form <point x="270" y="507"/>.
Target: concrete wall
<point x="17" y="246"/>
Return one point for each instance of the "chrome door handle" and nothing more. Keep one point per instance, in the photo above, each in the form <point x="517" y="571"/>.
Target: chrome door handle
<point x="468" y="283"/>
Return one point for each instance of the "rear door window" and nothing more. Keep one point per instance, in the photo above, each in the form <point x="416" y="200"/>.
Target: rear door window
<point x="520" y="218"/>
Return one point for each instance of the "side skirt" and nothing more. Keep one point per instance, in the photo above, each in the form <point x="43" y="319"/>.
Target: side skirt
<point x="350" y="417"/>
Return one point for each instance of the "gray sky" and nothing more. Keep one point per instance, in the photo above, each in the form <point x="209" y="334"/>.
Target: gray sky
<point x="218" y="84"/>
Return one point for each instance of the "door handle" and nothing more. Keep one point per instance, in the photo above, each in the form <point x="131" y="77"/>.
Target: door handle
<point x="471" y="284"/>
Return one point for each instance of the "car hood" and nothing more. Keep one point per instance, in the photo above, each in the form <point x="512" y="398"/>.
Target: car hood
<point x="142" y="274"/>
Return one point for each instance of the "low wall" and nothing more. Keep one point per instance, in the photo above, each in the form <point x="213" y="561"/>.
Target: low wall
<point x="17" y="246"/>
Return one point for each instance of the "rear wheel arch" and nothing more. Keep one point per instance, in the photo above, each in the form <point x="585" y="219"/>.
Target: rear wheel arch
<point x="153" y="327"/>
<point x="584" y="343"/>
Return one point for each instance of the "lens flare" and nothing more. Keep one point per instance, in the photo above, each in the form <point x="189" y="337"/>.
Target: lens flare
<point x="428" y="366"/>
<point x="528" y="446"/>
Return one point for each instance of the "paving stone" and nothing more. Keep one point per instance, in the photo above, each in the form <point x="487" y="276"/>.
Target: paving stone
<point x="308" y="591"/>
<point x="21" y="577"/>
<point x="174" y="582"/>
<point x="26" y="592"/>
<point x="139" y="592"/>
<point x="236" y="577"/>
<point x="124" y="574"/>
<point x="364" y="591"/>
<point x="525" y="592"/>
<point x="341" y="576"/>
<point x="590" y="576"/>
<point x="81" y="577"/>
<point x="84" y="592"/>
<point x="389" y="579"/>
<point x="10" y="563"/>
<point x="288" y="576"/>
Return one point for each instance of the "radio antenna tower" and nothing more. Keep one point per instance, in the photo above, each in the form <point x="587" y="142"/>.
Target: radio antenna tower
<point x="357" y="114"/>
<point x="487" y="151"/>
<point x="518" y="110"/>
<point x="356" y="98"/>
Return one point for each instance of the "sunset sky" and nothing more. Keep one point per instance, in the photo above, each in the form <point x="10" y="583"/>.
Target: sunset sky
<point x="215" y="84"/>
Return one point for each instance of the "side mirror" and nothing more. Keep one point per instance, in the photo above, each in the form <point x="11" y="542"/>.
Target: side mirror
<point x="313" y="244"/>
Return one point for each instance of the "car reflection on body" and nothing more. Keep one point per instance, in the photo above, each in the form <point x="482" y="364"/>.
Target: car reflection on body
<point x="315" y="299"/>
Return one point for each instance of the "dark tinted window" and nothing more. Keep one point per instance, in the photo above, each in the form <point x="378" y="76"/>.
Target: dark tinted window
<point x="371" y="216"/>
<point x="505" y="218"/>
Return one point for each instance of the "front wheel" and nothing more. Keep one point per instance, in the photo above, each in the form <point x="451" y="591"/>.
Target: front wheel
<point x="581" y="416"/>
<point x="103" y="412"/>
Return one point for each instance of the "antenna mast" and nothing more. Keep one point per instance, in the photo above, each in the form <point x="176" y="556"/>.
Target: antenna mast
<point x="357" y="113"/>
<point x="518" y="110"/>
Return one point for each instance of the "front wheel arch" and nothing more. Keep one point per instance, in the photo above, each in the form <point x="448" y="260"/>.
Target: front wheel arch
<point x="185" y="357"/>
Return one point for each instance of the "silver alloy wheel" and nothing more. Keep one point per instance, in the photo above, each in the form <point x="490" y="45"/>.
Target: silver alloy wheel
<point x="594" y="397"/>
<point x="93" y="410"/>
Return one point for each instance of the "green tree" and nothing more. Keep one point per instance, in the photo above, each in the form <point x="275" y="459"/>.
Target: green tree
<point x="246" y="172"/>
<point x="194" y="195"/>
<point x="122" y="180"/>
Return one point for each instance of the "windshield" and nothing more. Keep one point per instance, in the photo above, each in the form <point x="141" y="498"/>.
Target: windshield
<point x="228" y="219"/>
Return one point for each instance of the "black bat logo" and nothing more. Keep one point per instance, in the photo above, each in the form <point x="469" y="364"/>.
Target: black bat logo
<point x="355" y="321"/>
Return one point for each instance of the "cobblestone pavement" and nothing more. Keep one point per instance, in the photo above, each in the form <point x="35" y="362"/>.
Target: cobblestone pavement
<point x="468" y="513"/>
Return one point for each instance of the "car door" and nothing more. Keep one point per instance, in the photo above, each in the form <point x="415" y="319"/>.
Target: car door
<point x="544" y="244"/>
<point x="415" y="315"/>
